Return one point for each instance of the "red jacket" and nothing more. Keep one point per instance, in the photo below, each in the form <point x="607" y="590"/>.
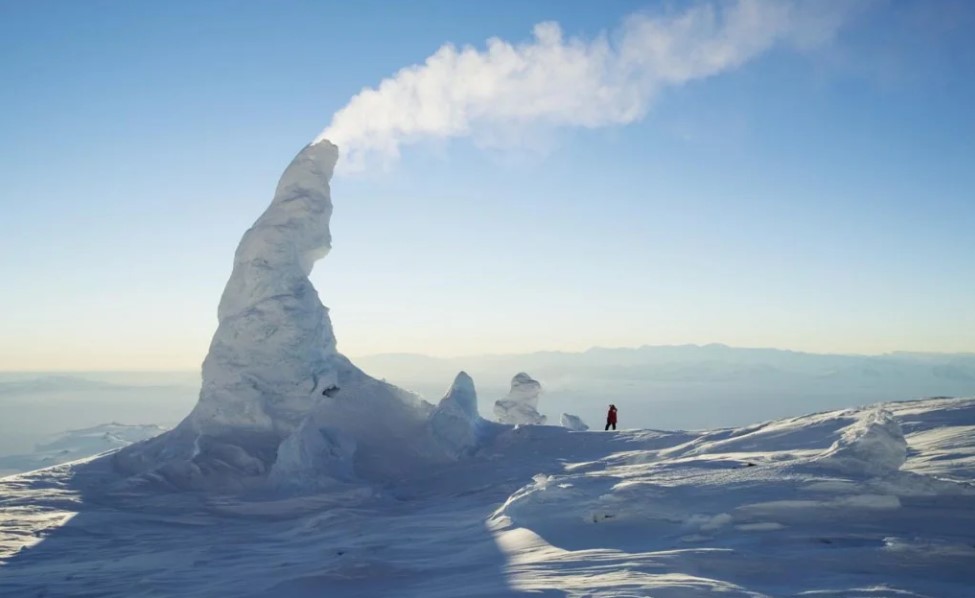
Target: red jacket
<point x="611" y="416"/>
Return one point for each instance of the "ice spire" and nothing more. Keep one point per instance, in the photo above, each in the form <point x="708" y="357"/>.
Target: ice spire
<point x="274" y="345"/>
<point x="273" y="359"/>
<point x="279" y="404"/>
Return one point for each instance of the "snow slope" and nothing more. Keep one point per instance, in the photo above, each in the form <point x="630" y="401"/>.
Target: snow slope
<point x="876" y="502"/>
<point x="76" y="444"/>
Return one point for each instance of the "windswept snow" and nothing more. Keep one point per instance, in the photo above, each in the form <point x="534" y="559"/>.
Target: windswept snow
<point x="520" y="406"/>
<point x="874" y="444"/>
<point x="809" y="506"/>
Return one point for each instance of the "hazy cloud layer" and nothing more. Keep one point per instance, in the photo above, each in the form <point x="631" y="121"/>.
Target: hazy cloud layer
<point x="494" y="93"/>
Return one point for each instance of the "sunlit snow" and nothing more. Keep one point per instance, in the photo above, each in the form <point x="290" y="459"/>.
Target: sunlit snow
<point x="297" y="474"/>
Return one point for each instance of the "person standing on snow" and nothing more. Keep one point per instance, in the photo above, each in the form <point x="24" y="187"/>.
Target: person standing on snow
<point x="611" y="417"/>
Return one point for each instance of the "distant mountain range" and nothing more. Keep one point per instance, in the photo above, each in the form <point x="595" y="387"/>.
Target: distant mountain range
<point x="688" y="363"/>
<point x="15" y="383"/>
<point x="669" y="387"/>
<point x="690" y="386"/>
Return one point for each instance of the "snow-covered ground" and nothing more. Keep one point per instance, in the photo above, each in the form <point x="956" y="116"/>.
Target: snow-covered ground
<point x="299" y="474"/>
<point x="75" y="444"/>
<point x="863" y="502"/>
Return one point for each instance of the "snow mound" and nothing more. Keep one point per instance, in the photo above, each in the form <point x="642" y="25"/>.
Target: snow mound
<point x="874" y="444"/>
<point x="455" y="424"/>
<point x="573" y="422"/>
<point x="279" y="404"/>
<point x="520" y="407"/>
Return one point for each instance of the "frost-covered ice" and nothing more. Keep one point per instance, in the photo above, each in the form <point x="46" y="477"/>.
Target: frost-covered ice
<point x="455" y="423"/>
<point x="279" y="403"/>
<point x="520" y="406"/>
<point x="313" y="458"/>
<point x="793" y="507"/>
<point x="573" y="422"/>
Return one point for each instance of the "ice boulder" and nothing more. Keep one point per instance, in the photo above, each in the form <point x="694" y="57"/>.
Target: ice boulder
<point x="455" y="424"/>
<point x="520" y="407"/>
<point x="573" y="422"/>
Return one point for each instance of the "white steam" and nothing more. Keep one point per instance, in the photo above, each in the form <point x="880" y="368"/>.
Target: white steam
<point x="557" y="81"/>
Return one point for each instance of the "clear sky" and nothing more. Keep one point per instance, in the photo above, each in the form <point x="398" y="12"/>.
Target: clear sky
<point x="819" y="200"/>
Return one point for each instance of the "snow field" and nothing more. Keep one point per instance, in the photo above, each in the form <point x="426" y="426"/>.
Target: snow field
<point x="540" y="509"/>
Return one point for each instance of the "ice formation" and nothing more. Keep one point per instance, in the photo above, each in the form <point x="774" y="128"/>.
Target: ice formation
<point x="573" y="422"/>
<point x="274" y="351"/>
<point x="734" y="512"/>
<point x="278" y="400"/>
<point x="520" y="407"/>
<point x="455" y="424"/>
<point x="313" y="457"/>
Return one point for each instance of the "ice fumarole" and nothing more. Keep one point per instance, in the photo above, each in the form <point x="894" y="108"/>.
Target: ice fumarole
<point x="520" y="407"/>
<point x="279" y="404"/>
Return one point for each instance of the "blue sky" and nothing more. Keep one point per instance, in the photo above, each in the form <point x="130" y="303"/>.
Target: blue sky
<point x="819" y="200"/>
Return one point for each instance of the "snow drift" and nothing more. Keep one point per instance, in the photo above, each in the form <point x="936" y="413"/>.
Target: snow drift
<point x="279" y="403"/>
<point x="873" y="444"/>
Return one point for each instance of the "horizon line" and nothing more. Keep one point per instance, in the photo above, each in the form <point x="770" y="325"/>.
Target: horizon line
<point x="523" y="354"/>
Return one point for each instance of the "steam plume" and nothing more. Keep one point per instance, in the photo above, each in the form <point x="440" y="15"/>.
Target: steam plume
<point x="552" y="80"/>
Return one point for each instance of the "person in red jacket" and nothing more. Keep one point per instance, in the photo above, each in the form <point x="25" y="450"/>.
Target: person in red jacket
<point x="611" y="417"/>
